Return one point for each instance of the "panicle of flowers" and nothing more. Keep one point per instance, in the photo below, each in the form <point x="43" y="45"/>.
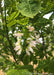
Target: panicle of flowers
<point x="32" y="29"/>
<point x="30" y="46"/>
<point x="31" y="41"/>
<point x="17" y="44"/>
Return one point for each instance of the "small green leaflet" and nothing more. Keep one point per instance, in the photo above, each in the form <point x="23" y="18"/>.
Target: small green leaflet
<point x="23" y="21"/>
<point x="12" y="16"/>
<point x="11" y="23"/>
<point x="11" y="19"/>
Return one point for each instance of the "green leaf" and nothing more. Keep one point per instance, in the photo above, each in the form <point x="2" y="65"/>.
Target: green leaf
<point x="34" y="60"/>
<point x="12" y="72"/>
<point x="26" y="60"/>
<point x="12" y="16"/>
<point x="29" y="8"/>
<point x="11" y="23"/>
<point x="16" y="15"/>
<point x="28" y="67"/>
<point x="18" y="72"/>
<point x="23" y="21"/>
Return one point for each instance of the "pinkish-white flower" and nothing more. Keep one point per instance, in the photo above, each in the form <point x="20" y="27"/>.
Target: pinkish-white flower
<point x="29" y="39"/>
<point x="17" y="43"/>
<point x="33" y="43"/>
<point x="31" y="28"/>
<point x="37" y="36"/>
<point x="18" y="34"/>
<point x="32" y="37"/>
<point x="7" y="68"/>
<point x="38" y="41"/>
<point x="17" y="48"/>
<point x="18" y="39"/>
<point x="19" y="52"/>
<point x="27" y="52"/>
<point x="30" y="49"/>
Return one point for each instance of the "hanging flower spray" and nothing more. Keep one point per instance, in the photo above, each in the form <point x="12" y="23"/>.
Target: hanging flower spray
<point x="30" y="40"/>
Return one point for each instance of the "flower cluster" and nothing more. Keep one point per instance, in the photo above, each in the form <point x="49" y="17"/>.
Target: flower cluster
<point x="17" y="44"/>
<point x="30" y="46"/>
<point x="32" y="40"/>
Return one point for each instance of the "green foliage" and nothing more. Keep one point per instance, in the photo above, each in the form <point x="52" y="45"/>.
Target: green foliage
<point x="21" y="16"/>
<point x="26" y="59"/>
<point x="46" y="65"/>
<point x="18" y="72"/>
<point x="23" y="21"/>
<point x="11" y="23"/>
<point x="12" y="16"/>
<point x="51" y="64"/>
<point x="29" y="8"/>
<point x="27" y="67"/>
<point x="34" y="60"/>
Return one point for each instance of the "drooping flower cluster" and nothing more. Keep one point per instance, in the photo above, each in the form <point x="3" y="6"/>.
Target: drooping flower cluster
<point x="32" y="40"/>
<point x="17" y="44"/>
<point x="30" y="46"/>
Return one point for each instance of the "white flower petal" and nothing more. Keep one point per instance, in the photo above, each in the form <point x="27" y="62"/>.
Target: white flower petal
<point x="16" y="48"/>
<point x="19" y="52"/>
<point x="31" y="28"/>
<point x="38" y="36"/>
<point x="33" y="43"/>
<point x="27" y="52"/>
<point x="30" y="49"/>
<point x="29" y="38"/>
<point x="18" y="34"/>
<point x="17" y="43"/>
<point x="32" y="37"/>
